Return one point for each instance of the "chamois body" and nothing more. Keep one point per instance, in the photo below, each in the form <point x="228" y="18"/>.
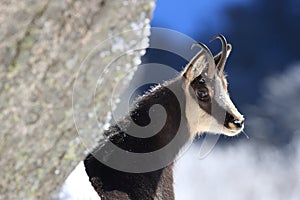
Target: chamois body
<point x="196" y="101"/>
<point x="113" y="184"/>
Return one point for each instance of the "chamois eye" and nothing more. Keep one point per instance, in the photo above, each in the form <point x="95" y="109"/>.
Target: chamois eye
<point x="202" y="95"/>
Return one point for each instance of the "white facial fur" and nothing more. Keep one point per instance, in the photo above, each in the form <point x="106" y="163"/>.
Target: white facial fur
<point x="200" y="121"/>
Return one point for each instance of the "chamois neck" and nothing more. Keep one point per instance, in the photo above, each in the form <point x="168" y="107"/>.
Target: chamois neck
<point x="172" y="98"/>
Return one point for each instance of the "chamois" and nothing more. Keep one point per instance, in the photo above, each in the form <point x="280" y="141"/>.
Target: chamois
<point x="202" y="89"/>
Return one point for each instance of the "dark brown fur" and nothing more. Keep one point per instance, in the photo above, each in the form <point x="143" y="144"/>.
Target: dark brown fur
<point x="112" y="184"/>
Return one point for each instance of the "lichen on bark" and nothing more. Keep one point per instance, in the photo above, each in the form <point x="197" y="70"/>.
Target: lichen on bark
<point x="42" y="44"/>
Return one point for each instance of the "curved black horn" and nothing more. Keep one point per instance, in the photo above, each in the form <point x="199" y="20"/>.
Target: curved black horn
<point x="221" y="63"/>
<point x="210" y="59"/>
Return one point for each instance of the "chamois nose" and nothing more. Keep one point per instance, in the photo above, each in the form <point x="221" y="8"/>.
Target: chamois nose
<point x="238" y="123"/>
<point x="232" y="122"/>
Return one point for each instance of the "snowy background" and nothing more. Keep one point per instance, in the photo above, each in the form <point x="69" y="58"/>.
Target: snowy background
<point x="264" y="78"/>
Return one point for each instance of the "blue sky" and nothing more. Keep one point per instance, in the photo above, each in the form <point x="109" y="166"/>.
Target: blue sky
<point x="183" y="16"/>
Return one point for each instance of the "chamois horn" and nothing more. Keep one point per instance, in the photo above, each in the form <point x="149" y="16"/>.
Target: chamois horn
<point x="221" y="63"/>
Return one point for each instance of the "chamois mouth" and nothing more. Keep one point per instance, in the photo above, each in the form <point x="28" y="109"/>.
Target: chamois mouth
<point x="233" y="131"/>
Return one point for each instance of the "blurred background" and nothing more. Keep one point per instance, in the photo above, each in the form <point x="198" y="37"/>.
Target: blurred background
<point x="264" y="82"/>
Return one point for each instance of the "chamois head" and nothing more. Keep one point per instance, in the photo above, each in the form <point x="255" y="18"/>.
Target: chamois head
<point x="208" y="106"/>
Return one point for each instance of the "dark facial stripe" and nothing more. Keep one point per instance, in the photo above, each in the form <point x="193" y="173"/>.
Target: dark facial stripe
<point x="210" y="106"/>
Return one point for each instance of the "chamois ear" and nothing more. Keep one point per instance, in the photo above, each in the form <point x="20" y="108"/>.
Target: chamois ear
<point x="217" y="58"/>
<point x="195" y="67"/>
<point x="203" y="62"/>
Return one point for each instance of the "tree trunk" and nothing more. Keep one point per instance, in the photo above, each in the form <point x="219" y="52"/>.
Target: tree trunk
<point x="42" y="44"/>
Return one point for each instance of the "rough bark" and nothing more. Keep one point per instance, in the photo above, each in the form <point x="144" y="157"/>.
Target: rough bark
<point x="42" y="44"/>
